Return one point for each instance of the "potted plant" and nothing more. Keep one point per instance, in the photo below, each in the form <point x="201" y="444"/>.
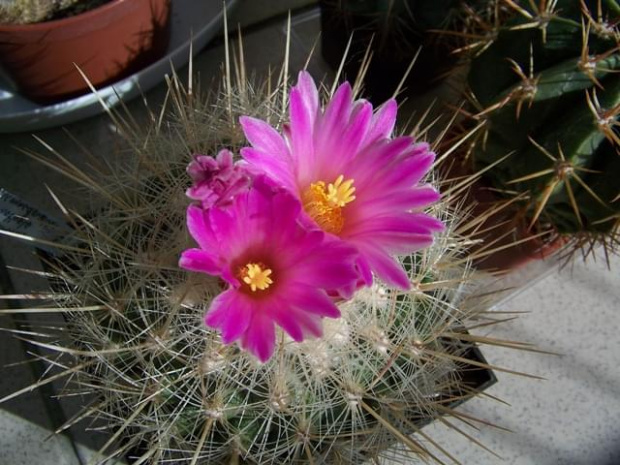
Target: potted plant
<point x="42" y="43"/>
<point x="387" y="356"/>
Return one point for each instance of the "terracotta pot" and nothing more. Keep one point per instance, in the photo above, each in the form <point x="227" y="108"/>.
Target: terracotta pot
<point x="522" y="246"/>
<point x="108" y="43"/>
<point x="506" y="232"/>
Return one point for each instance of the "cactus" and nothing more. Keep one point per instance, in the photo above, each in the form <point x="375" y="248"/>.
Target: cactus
<point x="396" y="31"/>
<point x="401" y="21"/>
<point x="168" y="387"/>
<point x="35" y="11"/>
<point x="546" y="89"/>
<point x="399" y="24"/>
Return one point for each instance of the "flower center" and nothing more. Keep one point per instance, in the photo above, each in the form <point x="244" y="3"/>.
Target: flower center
<point x="324" y="203"/>
<point x="256" y="276"/>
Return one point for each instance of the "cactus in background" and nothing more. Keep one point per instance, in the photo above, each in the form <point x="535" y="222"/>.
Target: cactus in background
<point x="35" y="11"/>
<point x="396" y="31"/>
<point x="399" y="23"/>
<point x="546" y="89"/>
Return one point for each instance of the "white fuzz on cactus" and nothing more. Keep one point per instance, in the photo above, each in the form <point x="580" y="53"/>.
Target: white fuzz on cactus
<point x="172" y="392"/>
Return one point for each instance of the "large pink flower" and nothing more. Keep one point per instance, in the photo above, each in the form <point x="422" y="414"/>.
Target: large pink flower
<point x="277" y="270"/>
<point x="352" y="177"/>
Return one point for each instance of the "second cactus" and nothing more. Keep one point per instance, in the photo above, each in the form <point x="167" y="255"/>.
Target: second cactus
<point x="546" y="90"/>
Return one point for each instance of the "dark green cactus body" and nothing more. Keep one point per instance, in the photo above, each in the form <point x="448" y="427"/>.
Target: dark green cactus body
<point x="550" y="95"/>
<point x="396" y="31"/>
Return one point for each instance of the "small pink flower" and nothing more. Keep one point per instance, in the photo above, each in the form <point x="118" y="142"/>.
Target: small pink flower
<point x="216" y="180"/>
<point x="354" y="180"/>
<point x="278" y="271"/>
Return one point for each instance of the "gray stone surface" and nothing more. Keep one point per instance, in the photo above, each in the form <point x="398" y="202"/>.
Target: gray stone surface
<point x="25" y="443"/>
<point x="573" y="416"/>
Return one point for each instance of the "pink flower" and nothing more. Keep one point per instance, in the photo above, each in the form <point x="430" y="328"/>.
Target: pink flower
<point x="353" y="179"/>
<point x="216" y="180"/>
<point x="278" y="271"/>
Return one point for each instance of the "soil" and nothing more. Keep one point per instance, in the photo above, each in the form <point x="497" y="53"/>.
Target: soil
<point x="77" y="8"/>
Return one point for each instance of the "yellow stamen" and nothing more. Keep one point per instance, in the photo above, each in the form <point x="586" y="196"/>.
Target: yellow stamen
<point x="340" y="193"/>
<point x="325" y="203"/>
<point x="256" y="276"/>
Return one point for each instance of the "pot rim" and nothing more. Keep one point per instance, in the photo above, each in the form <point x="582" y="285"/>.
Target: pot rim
<point x="63" y="22"/>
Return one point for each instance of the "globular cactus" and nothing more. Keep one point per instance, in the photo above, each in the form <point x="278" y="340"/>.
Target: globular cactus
<point x="546" y="90"/>
<point x="166" y="385"/>
<point x="34" y="11"/>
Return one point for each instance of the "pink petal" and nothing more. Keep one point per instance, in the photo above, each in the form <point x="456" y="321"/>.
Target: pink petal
<point x="339" y="107"/>
<point x="310" y="324"/>
<point x="329" y="266"/>
<point x="364" y="270"/>
<point x="312" y="300"/>
<point x="247" y="222"/>
<point x="405" y="222"/>
<point x="401" y="233"/>
<point x="201" y="261"/>
<point x="270" y="165"/>
<point x="288" y="320"/>
<point x="407" y="171"/>
<point x="350" y="141"/>
<point x="397" y="243"/>
<point x="225" y="159"/>
<point x="203" y="193"/>
<point x="226" y="227"/>
<point x="229" y="276"/>
<point x="231" y="312"/>
<point x="374" y="161"/>
<point x="299" y="244"/>
<point x="399" y="201"/>
<point x="255" y="215"/>
<point x="300" y="135"/>
<point x="260" y="337"/>
<point x="386" y="267"/>
<point x="285" y="210"/>
<point x="304" y="108"/>
<point x="383" y="122"/>
<point x="415" y="167"/>
<point x="297" y="322"/>
<point x="420" y="197"/>
<point x="199" y="228"/>
<point x="308" y="92"/>
<point x="329" y="128"/>
<point x="301" y="127"/>
<point x="199" y="165"/>
<point x="263" y="137"/>
<point x="429" y="222"/>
